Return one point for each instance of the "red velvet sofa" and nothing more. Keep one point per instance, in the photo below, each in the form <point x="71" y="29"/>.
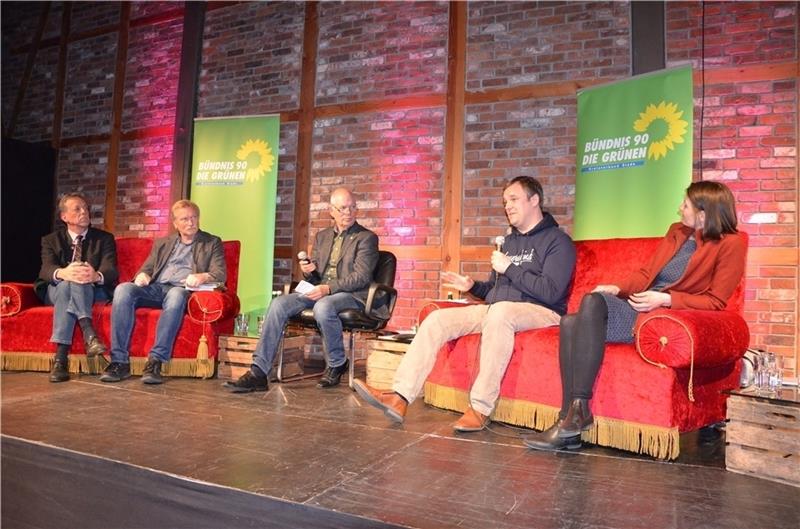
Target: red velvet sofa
<point x="26" y="324"/>
<point x="668" y="382"/>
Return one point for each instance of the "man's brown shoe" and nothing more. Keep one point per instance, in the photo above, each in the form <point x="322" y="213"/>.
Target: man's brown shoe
<point x="471" y="421"/>
<point x="390" y="403"/>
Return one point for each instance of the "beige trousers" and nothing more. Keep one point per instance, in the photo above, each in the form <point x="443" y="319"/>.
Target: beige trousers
<point x="497" y="324"/>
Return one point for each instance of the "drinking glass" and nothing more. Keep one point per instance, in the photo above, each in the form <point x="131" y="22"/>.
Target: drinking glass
<point x="241" y="324"/>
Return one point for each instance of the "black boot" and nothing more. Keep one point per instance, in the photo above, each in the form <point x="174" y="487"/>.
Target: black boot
<point x="59" y="373"/>
<point x="566" y="433"/>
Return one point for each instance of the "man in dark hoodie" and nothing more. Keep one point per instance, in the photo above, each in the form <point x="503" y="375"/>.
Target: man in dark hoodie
<point x="527" y="289"/>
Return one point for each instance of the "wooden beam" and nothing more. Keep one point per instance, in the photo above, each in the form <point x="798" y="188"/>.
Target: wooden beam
<point x="453" y="185"/>
<point x="290" y="116"/>
<point x="61" y="75"/>
<point x="148" y="132"/>
<point x="561" y="88"/>
<point x="305" y="130"/>
<point x="146" y="20"/>
<point x="382" y="105"/>
<point x="92" y="139"/>
<point x="26" y="74"/>
<point x="747" y="74"/>
<point x="109" y="211"/>
<point x="191" y="59"/>
<point x="157" y="18"/>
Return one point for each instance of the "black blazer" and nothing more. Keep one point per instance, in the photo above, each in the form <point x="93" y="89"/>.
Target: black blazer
<point x="98" y="249"/>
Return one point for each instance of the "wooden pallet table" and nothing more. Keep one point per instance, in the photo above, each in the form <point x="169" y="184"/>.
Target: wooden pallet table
<point x="236" y="356"/>
<point x="384" y="355"/>
<point x="763" y="435"/>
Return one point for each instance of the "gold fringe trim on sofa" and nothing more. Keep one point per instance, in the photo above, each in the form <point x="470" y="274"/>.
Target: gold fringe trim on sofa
<point x="656" y="441"/>
<point x="78" y="363"/>
<point x="511" y="411"/>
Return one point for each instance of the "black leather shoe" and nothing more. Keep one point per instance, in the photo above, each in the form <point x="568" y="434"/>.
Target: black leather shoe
<point x="115" y="372"/>
<point x="247" y="383"/>
<point x="566" y="433"/>
<point x="333" y="375"/>
<point x="94" y="347"/>
<point x="59" y="373"/>
<point x="151" y="374"/>
<point x="551" y="439"/>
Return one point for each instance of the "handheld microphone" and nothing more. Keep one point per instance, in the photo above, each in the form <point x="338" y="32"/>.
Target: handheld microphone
<point x="303" y="258"/>
<point x="498" y="243"/>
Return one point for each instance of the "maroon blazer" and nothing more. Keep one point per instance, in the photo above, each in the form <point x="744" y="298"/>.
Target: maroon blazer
<point x="712" y="275"/>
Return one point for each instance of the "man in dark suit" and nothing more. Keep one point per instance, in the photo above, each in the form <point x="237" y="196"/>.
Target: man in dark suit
<point x="341" y="268"/>
<point x="176" y="263"/>
<point x="79" y="267"/>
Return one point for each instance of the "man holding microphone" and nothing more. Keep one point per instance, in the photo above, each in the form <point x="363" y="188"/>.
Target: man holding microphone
<point x="339" y="272"/>
<point x="527" y="289"/>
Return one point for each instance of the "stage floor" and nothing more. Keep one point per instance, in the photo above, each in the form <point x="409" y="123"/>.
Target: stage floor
<point x="299" y="456"/>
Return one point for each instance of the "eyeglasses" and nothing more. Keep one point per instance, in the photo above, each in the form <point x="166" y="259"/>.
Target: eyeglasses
<point x="342" y="209"/>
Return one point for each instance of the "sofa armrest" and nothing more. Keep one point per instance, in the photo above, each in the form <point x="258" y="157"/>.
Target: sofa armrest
<point x="212" y="306"/>
<point x="431" y="306"/>
<point x="691" y="338"/>
<point x="16" y="297"/>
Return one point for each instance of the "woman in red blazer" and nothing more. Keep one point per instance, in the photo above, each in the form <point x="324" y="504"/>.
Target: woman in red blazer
<point x="697" y="265"/>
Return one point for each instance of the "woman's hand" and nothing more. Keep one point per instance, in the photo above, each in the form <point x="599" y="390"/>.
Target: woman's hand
<point x="456" y="281"/>
<point x="607" y="289"/>
<point x="649" y="300"/>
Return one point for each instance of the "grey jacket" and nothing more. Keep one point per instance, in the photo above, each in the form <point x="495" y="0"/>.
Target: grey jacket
<point x="356" y="266"/>
<point x="207" y="256"/>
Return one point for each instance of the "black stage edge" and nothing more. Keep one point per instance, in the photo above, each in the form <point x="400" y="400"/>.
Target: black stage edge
<point x="45" y="487"/>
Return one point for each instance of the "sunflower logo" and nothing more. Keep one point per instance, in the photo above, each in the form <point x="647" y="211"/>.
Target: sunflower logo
<point x="265" y="156"/>
<point x="670" y="117"/>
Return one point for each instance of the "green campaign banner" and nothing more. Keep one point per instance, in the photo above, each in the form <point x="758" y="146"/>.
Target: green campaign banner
<point x="634" y="155"/>
<point x="235" y="183"/>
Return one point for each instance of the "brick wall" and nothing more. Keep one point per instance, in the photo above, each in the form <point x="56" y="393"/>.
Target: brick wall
<point x="151" y="76"/>
<point x="35" y="122"/>
<point x="83" y="168"/>
<point x="520" y="43"/>
<point x="89" y="86"/>
<point x="143" y="187"/>
<point x="371" y="50"/>
<point x="748" y="141"/>
<point x="251" y="59"/>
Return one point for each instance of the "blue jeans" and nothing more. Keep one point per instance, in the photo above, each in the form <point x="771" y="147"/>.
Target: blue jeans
<point x="172" y="302"/>
<point x="326" y="312"/>
<point x="71" y="302"/>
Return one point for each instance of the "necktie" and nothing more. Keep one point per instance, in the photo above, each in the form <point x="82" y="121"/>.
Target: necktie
<point x="77" y="249"/>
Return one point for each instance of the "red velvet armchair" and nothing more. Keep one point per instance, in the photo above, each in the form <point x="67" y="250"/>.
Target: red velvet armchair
<point x="26" y="324"/>
<point x="670" y="381"/>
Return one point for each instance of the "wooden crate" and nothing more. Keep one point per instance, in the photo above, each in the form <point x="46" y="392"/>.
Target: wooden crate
<point x="236" y="356"/>
<point x="763" y="439"/>
<point x="382" y="361"/>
